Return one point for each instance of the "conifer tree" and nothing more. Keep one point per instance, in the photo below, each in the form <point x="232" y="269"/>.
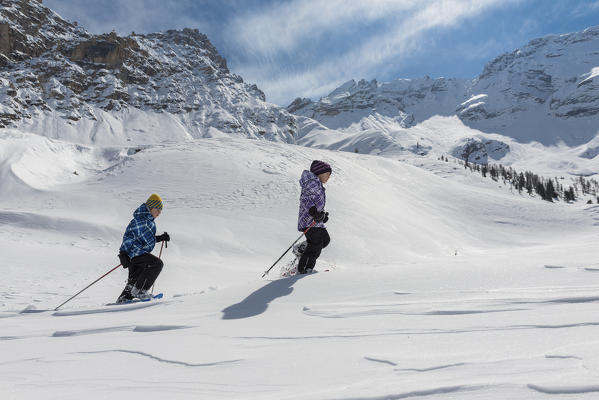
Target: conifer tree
<point x="550" y="193"/>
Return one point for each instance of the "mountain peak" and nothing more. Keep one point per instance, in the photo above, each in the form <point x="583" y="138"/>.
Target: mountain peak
<point x="192" y="38"/>
<point x="28" y="29"/>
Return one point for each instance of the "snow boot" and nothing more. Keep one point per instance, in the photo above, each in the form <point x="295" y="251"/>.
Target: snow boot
<point x="140" y="293"/>
<point x="125" y="295"/>
<point x="299" y="248"/>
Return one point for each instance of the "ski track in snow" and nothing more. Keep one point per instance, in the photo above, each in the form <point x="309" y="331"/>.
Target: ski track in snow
<point x="81" y="332"/>
<point x="134" y="328"/>
<point x="422" y="393"/>
<point x="547" y="389"/>
<point x="435" y="368"/>
<point x="109" y="309"/>
<point x="501" y="364"/>
<point x="432" y="308"/>
<point x="96" y="331"/>
<point x="579" y="268"/>
<point x="380" y="361"/>
<point x="163" y="360"/>
<point x="432" y="331"/>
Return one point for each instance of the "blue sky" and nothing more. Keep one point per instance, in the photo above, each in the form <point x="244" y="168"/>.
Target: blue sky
<point x="306" y="48"/>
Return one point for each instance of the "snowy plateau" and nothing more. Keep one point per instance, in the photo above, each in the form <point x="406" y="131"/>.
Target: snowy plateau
<point x="438" y="283"/>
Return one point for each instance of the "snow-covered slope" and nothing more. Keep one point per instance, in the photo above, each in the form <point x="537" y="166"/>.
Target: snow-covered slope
<point x="59" y="81"/>
<point x="247" y="182"/>
<point x="438" y="283"/>
<point x="449" y="136"/>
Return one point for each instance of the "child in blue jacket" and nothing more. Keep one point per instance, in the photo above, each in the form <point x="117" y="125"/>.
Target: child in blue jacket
<point x="135" y="252"/>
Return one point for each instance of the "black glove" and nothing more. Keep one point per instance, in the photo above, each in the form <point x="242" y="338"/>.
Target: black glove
<point x="125" y="260"/>
<point x="163" y="238"/>
<point x="318" y="216"/>
<point x="326" y="217"/>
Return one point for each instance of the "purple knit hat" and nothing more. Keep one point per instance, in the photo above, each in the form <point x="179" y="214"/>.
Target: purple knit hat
<point x="319" y="167"/>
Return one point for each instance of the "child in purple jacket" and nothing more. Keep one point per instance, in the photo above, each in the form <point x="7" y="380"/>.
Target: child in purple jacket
<point x="311" y="208"/>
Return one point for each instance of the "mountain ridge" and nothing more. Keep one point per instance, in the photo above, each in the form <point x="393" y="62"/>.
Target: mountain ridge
<point x="139" y="89"/>
<point x="551" y="83"/>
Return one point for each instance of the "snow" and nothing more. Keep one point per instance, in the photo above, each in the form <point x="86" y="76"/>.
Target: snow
<point x="590" y="76"/>
<point x="470" y="106"/>
<point x="474" y="99"/>
<point x="439" y="283"/>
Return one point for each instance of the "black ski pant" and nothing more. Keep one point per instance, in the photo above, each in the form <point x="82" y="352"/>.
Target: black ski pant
<point x="143" y="270"/>
<point x="318" y="239"/>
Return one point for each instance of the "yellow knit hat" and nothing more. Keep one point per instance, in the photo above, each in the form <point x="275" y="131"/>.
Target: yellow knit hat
<point x="154" y="201"/>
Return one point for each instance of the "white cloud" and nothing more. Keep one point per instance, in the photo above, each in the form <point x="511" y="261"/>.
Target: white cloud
<point x="583" y="10"/>
<point x="142" y="16"/>
<point x="288" y="25"/>
<point x="410" y="21"/>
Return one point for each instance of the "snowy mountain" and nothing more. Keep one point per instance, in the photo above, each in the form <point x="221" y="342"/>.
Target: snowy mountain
<point x="406" y="101"/>
<point x="59" y="81"/>
<point x="544" y="92"/>
<point x="62" y="82"/>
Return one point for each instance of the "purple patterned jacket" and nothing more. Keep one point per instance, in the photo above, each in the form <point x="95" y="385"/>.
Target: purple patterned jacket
<point x="313" y="194"/>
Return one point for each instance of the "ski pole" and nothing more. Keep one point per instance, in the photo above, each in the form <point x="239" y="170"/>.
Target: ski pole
<point x="82" y="290"/>
<point x="162" y="245"/>
<point x="159" y="255"/>
<point x="282" y="255"/>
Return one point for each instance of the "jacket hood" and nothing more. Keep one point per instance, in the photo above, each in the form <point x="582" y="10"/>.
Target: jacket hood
<point x="308" y="176"/>
<point x="142" y="212"/>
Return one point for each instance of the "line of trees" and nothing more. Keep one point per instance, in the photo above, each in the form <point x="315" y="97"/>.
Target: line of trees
<point x="548" y="189"/>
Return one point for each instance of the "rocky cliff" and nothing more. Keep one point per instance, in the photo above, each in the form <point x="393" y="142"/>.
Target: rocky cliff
<point x="56" y="76"/>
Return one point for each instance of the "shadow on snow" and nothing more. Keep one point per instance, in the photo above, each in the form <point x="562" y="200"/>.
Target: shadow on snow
<point x="257" y="302"/>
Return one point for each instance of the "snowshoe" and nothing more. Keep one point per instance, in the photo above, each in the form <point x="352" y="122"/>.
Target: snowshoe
<point x="290" y="269"/>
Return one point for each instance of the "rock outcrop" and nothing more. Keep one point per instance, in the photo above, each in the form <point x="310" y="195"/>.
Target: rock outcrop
<point x="53" y="67"/>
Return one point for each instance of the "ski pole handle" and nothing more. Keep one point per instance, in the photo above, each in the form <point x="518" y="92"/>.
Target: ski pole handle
<point x="159" y="255"/>
<point x="282" y="255"/>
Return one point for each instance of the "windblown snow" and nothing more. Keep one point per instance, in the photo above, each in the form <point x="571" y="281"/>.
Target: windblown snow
<point x="437" y="283"/>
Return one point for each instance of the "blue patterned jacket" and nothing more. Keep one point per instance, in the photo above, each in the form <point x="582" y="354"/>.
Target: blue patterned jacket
<point x="140" y="235"/>
<point x="313" y="194"/>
